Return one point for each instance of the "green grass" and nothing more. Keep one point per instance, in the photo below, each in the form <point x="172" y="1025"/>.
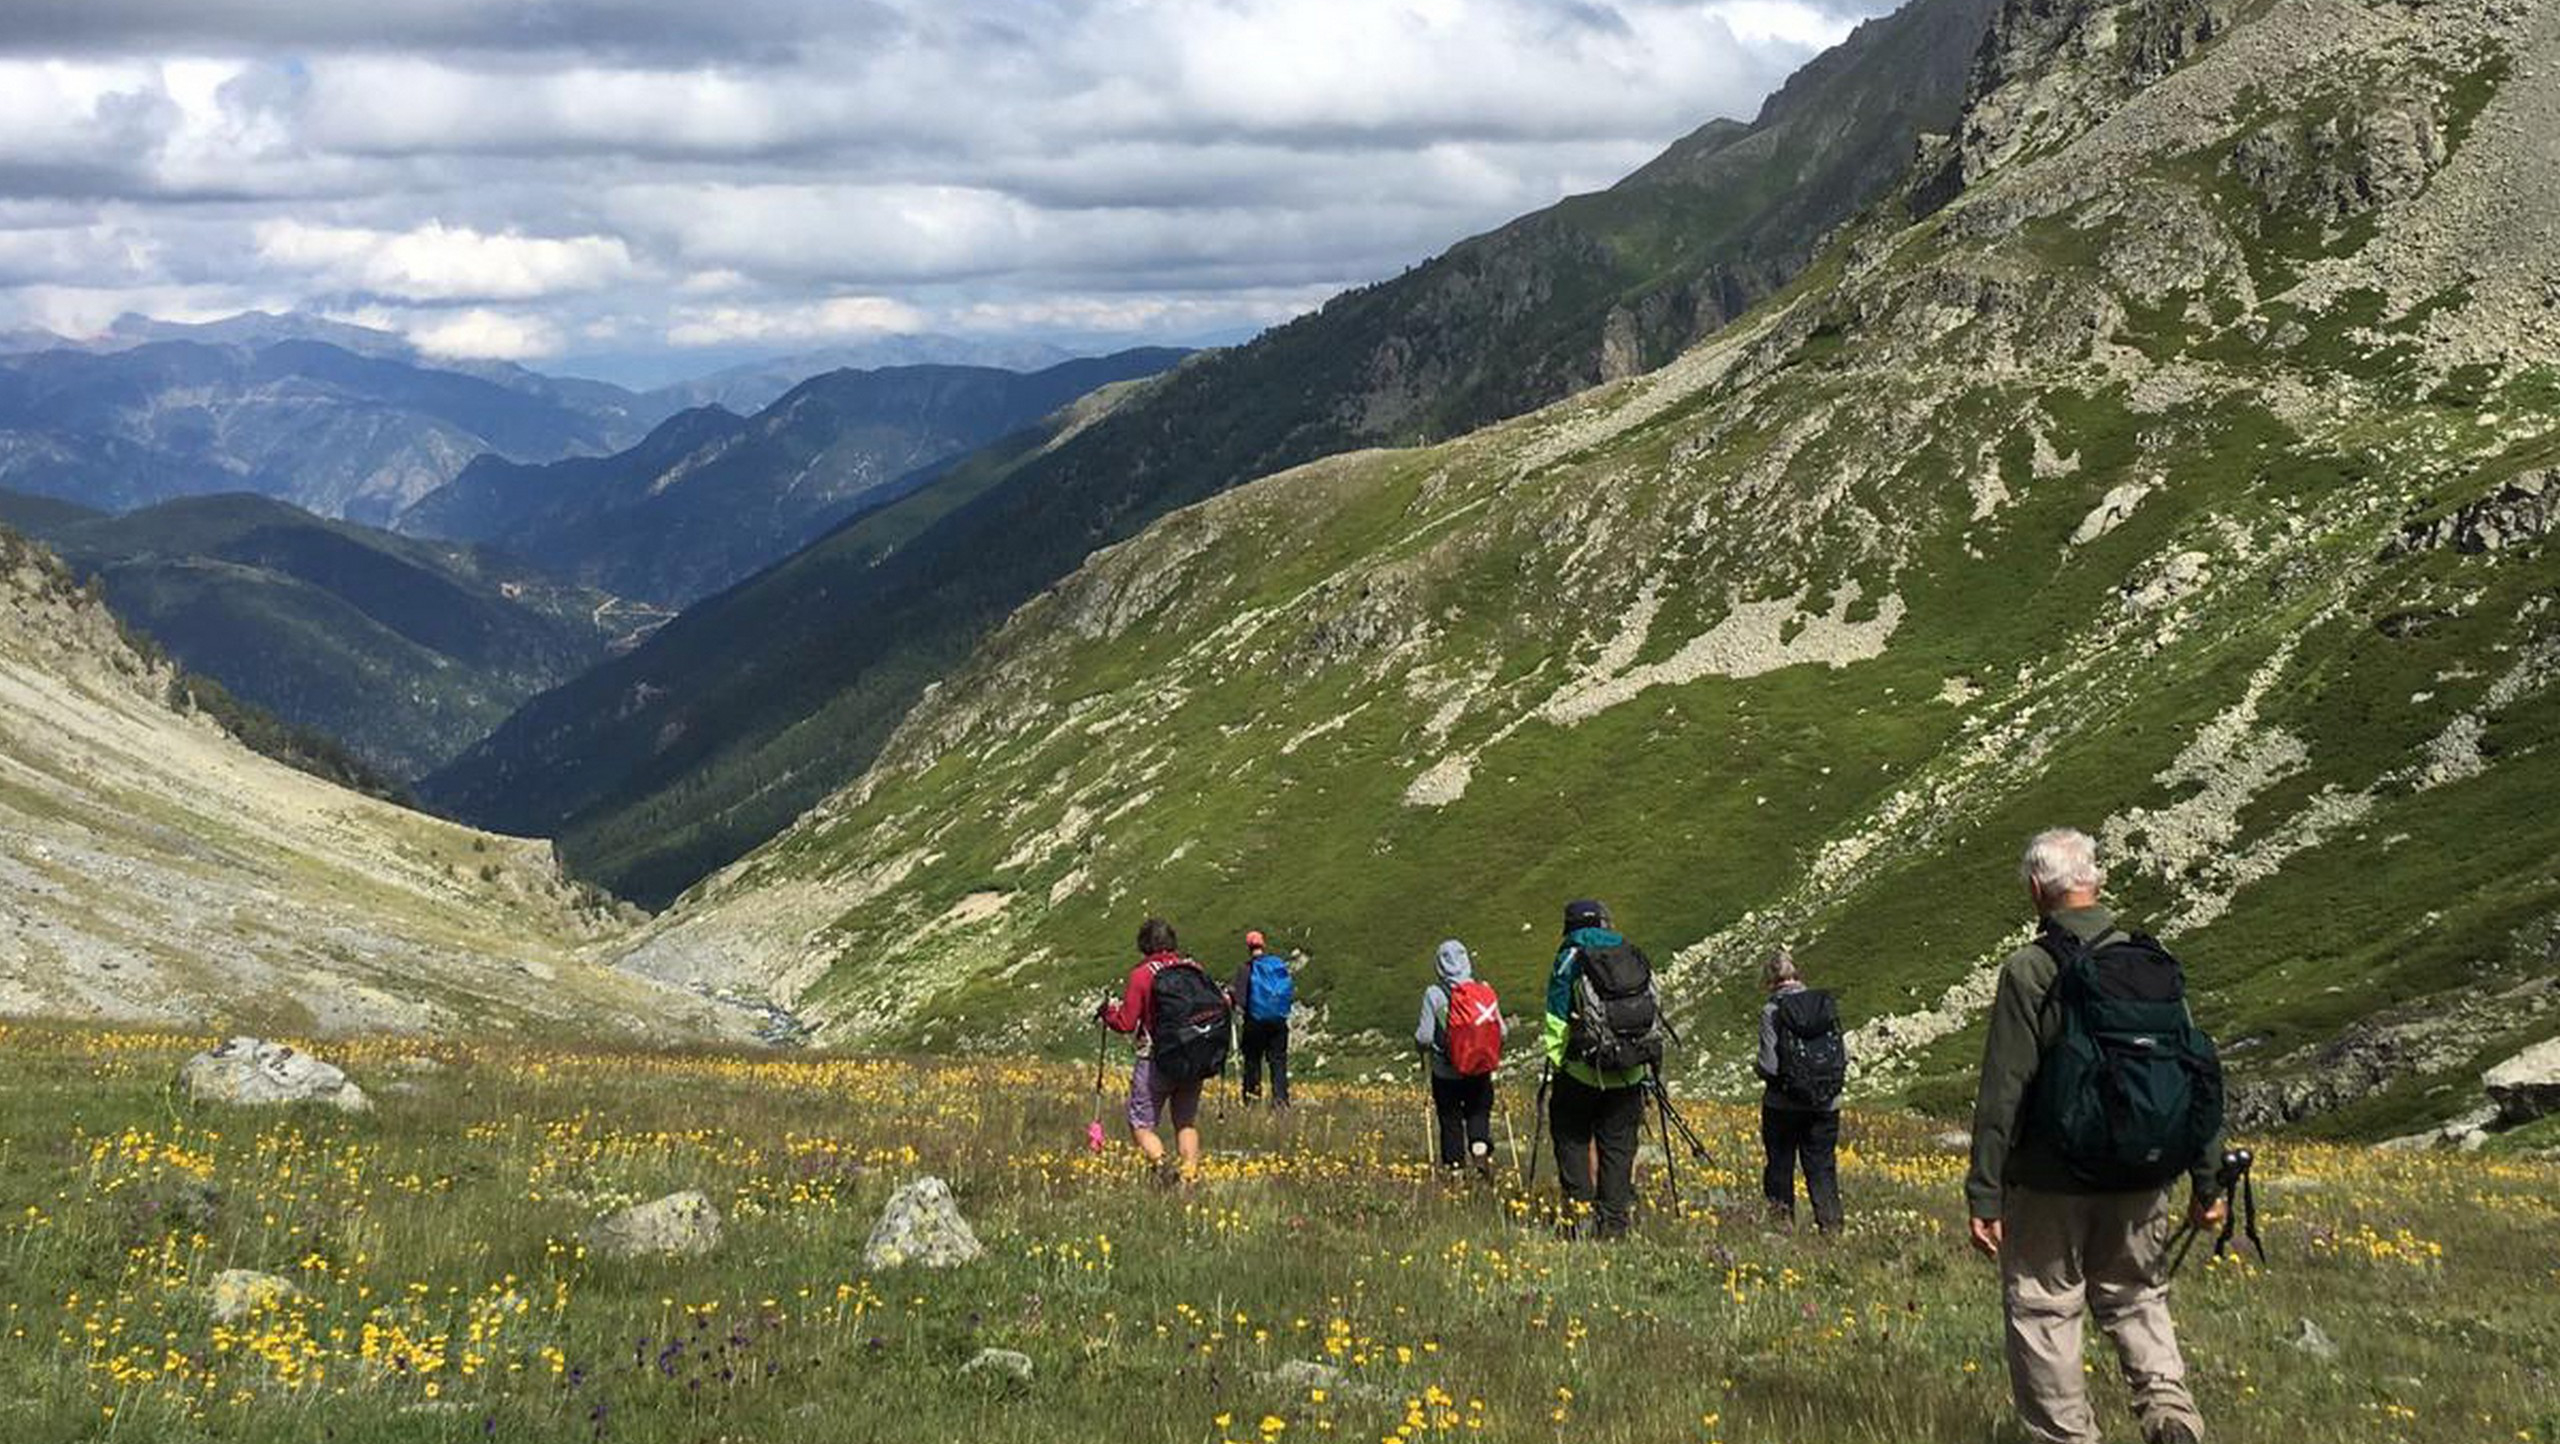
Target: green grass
<point x="446" y="1295"/>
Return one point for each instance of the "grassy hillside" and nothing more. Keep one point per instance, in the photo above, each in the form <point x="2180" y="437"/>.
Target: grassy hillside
<point x="649" y="788"/>
<point x="443" y="1292"/>
<point x="2124" y="490"/>
<point x="154" y="869"/>
<point x="407" y="650"/>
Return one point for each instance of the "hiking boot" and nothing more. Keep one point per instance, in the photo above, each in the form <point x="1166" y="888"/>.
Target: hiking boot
<point x="2170" y="1431"/>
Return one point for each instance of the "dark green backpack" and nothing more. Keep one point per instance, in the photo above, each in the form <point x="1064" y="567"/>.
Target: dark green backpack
<point x="2130" y="1091"/>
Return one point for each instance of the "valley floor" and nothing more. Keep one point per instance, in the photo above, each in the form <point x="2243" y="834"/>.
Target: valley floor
<point x="444" y="1294"/>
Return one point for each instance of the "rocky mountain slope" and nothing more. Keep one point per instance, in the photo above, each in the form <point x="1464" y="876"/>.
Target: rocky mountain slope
<point x="406" y="650"/>
<point x="153" y="869"/>
<point x="709" y="497"/>
<point x="754" y="712"/>
<point x="653" y="784"/>
<point x="2186" y="471"/>
<point x="345" y="433"/>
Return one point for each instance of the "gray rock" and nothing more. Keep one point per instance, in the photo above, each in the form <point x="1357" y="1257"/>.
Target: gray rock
<point x="2311" y="1339"/>
<point x="1003" y="1364"/>
<point x="921" y="1225"/>
<point x="1303" y="1374"/>
<point x="680" y="1223"/>
<point x="1299" y="1376"/>
<point x="2526" y="1086"/>
<point x="1956" y="1140"/>
<point x="238" y="1293"/>
<point x="255" y="1071"/>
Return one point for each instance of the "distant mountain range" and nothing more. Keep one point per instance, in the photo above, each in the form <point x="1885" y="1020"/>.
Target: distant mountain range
<point x="406" y="650"/>
<point x="665" y="766"/>
<point x="753" y="385"/>
<point x="349" y="421"/>
<point x="339" y="432"/>
<point x="710" y="497"/>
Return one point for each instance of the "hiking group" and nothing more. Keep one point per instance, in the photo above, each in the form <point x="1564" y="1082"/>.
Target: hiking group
<point x="2097" y="1092"/>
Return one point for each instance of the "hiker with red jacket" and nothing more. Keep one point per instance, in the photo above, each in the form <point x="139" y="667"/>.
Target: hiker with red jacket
<point x="1460" y="1033"/>
<point x="1178" y="1018"/>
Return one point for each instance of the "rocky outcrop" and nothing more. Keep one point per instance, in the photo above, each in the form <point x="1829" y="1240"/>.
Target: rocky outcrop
<point x="921" y="1225"/>
<point x="255" y="1071"/>
<point x="2053" y="67"/>
<point x="680" y="1224"/>
<point x="2441" y="1036"/>
<point x="2341" y="167"/>
<point x="2526" y="1086"/>
<point x="2521" y="512"/>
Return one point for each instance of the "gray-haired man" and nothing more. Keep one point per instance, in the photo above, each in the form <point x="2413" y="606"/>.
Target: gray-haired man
<point x="2062" y="1247"/>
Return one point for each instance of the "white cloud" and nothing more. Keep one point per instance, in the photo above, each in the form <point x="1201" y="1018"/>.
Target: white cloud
<point x="486" y="335"/>
<point x="833" y="318"/>
<point x="1782" y="22"/>
<point x="502" y="176"/>
<point x="436" y="262"/>
<point x="86" y="310"/>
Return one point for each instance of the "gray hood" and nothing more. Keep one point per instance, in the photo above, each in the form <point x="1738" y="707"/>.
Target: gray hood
<point x="1455" y="966"/>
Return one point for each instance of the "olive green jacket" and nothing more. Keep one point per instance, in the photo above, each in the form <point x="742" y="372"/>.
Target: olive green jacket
<point x="2021" y="1030"/>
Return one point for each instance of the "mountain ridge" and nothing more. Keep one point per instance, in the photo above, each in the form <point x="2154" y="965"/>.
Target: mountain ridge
<point x="405" y="650"/>
<point x="652" y="784"/>
<point x="708" y="497"/>
<point x="2129" y="484"/>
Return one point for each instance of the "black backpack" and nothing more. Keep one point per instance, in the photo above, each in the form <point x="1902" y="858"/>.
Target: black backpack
<point x="1813" y="1057"/>
<point x="1187" y="1024"/>
<point x="2130" y="1092"/>
<point x="1617" y="1017"/>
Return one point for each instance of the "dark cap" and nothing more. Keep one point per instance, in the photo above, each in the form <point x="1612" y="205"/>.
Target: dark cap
<point x="1585" y="913"/>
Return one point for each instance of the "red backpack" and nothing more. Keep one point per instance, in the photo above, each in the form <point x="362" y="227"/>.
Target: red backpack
<point x="1475" y="1030"/>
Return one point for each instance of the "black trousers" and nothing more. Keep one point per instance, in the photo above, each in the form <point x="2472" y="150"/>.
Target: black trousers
<point x="1465" y="1107"/>
<point x="1581" y="1116"/>
<point x="1790" y="1134"/>
<point x="1266" y="1042"/>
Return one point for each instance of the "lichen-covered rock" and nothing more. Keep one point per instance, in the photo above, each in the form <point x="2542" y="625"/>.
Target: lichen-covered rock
<point x="921" y="1225"/>
<point x="678" y="1224"/>
<point x="238" y="1293"/>
<point x="1003" y="1365"/>
<point x="255" y="1071"/>
<point x="2526" y="1086"/>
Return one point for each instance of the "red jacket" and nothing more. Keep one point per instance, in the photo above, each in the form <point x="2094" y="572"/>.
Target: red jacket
<point x="1138" y="999"/>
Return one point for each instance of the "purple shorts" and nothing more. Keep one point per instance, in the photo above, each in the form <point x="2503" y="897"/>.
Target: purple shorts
<point x="1147" y="1098"/>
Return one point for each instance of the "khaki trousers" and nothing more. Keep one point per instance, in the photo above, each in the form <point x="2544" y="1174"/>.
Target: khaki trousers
<point x="2061" y="1251"/>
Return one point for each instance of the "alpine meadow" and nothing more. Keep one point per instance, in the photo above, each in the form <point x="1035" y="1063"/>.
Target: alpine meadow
<point x="539" y="908"/>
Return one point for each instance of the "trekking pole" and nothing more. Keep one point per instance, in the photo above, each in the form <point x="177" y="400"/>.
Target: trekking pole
<point x="1662" y="1126"/>
<point x="1538" y="1120"/>
<point x="1698" y="1150"/>
<point x="2240" y="1194"/>
<point x="1093" y="1136"/>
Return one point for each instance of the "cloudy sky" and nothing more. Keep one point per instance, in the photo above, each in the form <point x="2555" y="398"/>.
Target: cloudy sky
<point x="635" y="182"/>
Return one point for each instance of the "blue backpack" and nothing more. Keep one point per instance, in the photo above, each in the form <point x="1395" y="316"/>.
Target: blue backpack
<point x="1270" y="992"/>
